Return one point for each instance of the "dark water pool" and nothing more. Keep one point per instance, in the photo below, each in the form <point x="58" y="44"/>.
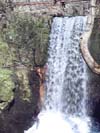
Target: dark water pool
<point x="95" y="127"/>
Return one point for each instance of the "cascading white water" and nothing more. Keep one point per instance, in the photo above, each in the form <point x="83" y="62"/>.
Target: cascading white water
<point x="66" y="69"/>
<point x="65" y="101"/>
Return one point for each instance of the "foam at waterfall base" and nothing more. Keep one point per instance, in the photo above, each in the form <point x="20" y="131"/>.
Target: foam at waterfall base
<point x="54" y="122"/>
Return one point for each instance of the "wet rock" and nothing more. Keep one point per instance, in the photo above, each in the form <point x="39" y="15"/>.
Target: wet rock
<point x="93" y="87"/>
<point x="21" y="112"/>
<point x="20" y="100"/>
<point x="94" y="79"/>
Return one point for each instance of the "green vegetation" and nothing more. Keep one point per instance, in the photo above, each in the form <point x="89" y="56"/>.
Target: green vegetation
<point x="6" y="56"/>
<point x="24" y="88"/>
<point x="6" y="88"/>
<point x="25" y="34"/>
<point x="23" y="44"/>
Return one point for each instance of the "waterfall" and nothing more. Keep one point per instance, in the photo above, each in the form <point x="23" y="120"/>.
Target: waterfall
<point x="66" y="77"/>
<point x="66" y="82"/>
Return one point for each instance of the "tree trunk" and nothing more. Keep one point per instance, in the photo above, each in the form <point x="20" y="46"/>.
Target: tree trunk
<point x="94" y="66"/>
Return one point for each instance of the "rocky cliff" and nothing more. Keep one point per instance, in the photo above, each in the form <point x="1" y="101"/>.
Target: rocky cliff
<point x="24" y="36"/>
<point x="23" y="53"/>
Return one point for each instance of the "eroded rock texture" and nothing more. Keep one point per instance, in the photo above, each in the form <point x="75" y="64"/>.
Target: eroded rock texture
<point x="23" y="54"/>
<point x="23" y="48"/>
<point x="18" y="115"/>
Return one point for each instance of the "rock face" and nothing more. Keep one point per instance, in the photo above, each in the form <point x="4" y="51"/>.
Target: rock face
<point x="93" y="103"/>
<point x="71" y="8"/>
<point x="94" y="79"/>
<point x="52" y="7"/>
<point x="6" y="88"/>
<point x="18" y="115"/>
<point x="23" y="47"/>
<point x="6" y="82"/>
<point x="23" y="54"/>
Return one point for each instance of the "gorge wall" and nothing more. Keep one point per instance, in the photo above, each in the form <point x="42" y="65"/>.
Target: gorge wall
<point x="23" y="49"/>
<point x="25" y="29"/>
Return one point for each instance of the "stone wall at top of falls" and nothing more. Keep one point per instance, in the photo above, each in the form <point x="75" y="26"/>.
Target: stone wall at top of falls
<point x="47" y="7"/>
<point x="16" y="117"/>
<point x="73" y="7"/>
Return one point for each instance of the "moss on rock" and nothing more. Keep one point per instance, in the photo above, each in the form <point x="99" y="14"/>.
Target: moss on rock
<point x="6" y="56"/>
<point x="26" y="33"/>
<point x="24" y="44"/>
<point x="19" y="39"/>
<point x="24" y="87"/>
<point x="6" y="88"/>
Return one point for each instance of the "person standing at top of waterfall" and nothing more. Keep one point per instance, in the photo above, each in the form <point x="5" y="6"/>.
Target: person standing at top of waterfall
<point x="61" y="2"/>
